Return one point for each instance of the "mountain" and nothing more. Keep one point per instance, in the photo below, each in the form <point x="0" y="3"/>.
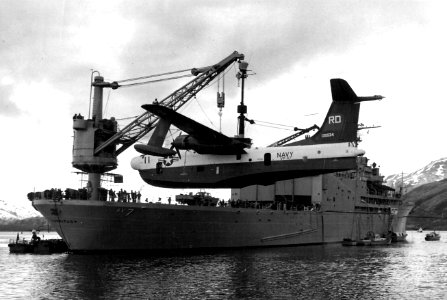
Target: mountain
<point x="16" y="217"/>
<point x="14" y="211"/>
<point x="426" y="188"/>
<point x="434" y="171"/>
<point x="430" y="206"/>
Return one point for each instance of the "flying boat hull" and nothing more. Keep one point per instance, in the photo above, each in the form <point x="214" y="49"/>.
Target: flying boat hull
<point x="237" y="175"/>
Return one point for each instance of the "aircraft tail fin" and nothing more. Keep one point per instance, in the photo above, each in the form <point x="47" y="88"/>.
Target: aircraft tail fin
<point x="341" y="122"/>
<point x="155" y="145"/>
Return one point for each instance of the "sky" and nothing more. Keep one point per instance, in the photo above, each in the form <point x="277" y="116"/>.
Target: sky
<point x="49" y="48"/>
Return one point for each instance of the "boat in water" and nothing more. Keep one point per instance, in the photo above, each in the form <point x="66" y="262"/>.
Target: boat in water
<point x="315" y="198"/>
<point x="37" y="245"/>
<point x="432" y="236"/>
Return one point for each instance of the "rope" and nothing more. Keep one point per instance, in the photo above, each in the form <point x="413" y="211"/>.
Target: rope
<point x="288" y="129"/>
<point x="276" y="124"/>
<point x="107" y="103"/>
<point x="152" y="81"/>
<point x="128" y="118"/>
<point x="151" y="76"/>
<point x="203" y="111"/>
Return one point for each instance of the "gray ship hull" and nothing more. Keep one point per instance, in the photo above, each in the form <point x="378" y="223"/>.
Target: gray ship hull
<point x="104" y="226"/>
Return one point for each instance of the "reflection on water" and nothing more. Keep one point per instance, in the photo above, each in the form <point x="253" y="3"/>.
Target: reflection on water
<point x="412" y="270"/>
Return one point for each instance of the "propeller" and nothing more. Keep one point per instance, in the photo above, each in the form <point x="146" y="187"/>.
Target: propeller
<point x="176" y="148"/>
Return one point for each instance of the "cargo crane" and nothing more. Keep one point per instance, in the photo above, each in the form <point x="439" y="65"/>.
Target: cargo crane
<point x="97" y="141"/>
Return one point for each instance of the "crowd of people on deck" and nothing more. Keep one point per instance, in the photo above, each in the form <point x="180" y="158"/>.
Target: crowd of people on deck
<point x="124" y="196"/>
<point x="85" y="194"/>
<point x="135" y="197"/>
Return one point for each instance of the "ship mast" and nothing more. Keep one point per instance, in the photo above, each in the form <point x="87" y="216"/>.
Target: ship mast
<point x="242" y="108"/>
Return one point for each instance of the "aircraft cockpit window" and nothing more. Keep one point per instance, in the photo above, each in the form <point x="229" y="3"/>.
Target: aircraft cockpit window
<point x="267" y="159"/>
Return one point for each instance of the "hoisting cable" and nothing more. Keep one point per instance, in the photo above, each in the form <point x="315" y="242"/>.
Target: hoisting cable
<point x="152" y="81"/>
<point x="151" y="76"/>
<point x="107" y="103"/>
<point x="275" y="125"/>
<point x="128" y="118"/>
<point x="203" y="111"/>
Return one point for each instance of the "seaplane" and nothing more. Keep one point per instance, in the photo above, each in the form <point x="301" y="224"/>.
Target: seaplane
<point x="205" y="158"/>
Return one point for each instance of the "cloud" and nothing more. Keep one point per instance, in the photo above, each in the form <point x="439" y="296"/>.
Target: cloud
<point x="61" y="42"/>
<point x="7" y="107"/>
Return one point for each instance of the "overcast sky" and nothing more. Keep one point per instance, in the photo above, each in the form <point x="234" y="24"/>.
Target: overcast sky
<point x="48" y="48"/>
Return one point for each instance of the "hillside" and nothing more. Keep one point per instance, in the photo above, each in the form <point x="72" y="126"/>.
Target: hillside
<point x="13" y="211"/>
<point x="430" y="210"/>
<point x="434" y="171"/>
<point x="16" y="217"/>
<point x="24" y="225"/>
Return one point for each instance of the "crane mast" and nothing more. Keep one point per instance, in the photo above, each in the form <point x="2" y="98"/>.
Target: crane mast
<point x="97" y="142"/>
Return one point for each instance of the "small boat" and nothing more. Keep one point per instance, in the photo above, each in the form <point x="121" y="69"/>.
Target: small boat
<point x="349" y="242"/>
<point x="433" y="236"/>
<point x="377" y="240"/>
<point x="42" y="247"/>
<point x="364" y="242"/>
<point x="374" y="239"/>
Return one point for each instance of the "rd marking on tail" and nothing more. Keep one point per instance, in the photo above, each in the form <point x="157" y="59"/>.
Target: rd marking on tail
<point x="334" y="119"/>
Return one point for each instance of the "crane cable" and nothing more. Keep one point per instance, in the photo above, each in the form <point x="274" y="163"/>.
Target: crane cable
<point x="151" y="76"/>
<point x="152" y="81"/>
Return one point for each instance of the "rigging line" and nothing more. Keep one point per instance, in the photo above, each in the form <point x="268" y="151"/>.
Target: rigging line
<point x="258" y="121"/>
<point x="273" y="127"/>
<point x="128" y="118"/>
<point x="151" y="76"/>
<point x="107" y="103"/>
<point x="205" y="113"/>
<point x="152" y="81"/>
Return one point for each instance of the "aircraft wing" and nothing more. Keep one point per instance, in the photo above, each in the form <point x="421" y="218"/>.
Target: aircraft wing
<point x="200" y="132"/>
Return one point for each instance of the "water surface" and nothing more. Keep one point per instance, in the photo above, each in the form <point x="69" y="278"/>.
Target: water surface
<point x="413" y="270"/>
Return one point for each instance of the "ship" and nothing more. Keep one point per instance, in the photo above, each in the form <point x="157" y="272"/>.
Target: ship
<point x="342" y="197"/>
<point x="312" y="210"/>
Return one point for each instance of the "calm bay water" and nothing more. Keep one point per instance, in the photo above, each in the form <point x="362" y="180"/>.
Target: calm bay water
<point x="413" y="270"/>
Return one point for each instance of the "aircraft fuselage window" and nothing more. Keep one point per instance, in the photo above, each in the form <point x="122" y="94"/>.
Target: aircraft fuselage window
<point x="267" y="159"/>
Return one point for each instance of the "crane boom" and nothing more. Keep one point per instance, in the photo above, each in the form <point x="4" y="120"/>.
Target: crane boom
<point x="144" y="123"/>
<point x="293" y="136"/>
